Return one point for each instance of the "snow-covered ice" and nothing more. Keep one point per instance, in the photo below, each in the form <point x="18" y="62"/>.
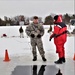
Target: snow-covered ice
<point x="19" y="50"/>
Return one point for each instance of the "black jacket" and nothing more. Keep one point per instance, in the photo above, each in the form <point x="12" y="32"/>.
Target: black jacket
<point x="21" y="30"/>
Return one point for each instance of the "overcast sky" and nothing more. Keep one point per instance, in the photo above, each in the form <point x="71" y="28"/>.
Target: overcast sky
<point x="40" y="8"/>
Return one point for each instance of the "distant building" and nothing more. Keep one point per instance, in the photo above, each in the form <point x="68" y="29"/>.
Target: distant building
<point x="21" y="23"/>
<point x="7" y="24"/>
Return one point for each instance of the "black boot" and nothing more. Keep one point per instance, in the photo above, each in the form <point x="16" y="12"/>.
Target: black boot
<point x="59" y="61"/>
<point x="44" y="59"/>
<point x="35" y="58"/>
<point x="63" y="59"/>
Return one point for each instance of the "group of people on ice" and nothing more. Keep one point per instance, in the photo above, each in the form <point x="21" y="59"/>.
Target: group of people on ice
<point x="35" y="31"/>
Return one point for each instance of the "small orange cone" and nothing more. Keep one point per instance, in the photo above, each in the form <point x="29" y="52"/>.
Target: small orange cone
<point x="74" y="57"/>
<point x="6" y="56"/>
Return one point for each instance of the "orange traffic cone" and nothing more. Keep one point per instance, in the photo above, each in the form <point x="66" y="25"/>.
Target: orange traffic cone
<point x="74" y="57"/>
<point x="6" y="56"/>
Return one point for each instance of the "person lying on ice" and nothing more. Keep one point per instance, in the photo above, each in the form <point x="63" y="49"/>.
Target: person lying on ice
<point x="35" y="31"/>
<point x="60" y="37"/>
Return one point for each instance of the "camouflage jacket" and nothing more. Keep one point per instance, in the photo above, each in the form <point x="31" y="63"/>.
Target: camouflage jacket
<point x="34" y="29"/>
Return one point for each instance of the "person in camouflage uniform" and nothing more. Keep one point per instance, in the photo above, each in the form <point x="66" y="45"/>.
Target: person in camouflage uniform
<point x="35" y="31"/>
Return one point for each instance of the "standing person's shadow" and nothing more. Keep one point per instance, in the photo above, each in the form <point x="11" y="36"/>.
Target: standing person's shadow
<point x="41" y="71"/>
<point x="59" y="72"/>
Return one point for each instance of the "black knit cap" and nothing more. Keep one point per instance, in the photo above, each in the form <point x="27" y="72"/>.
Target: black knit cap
<point x="56" y="17"/>
<point x="35" y="17"/>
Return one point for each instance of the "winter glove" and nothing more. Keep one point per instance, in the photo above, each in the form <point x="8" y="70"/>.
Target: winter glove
<point x="48" y="31"/>
<point x="53" y="36"/>
<point x="50" y="39"/>
<point x="32" y="35"/>
<point x="38" y="36"/>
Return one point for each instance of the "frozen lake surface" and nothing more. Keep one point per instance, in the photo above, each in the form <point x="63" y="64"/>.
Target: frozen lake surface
<point x="20" y="53"/>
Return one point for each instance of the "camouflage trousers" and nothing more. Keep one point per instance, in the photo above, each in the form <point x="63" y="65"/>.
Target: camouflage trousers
<point x="37" y="43"/>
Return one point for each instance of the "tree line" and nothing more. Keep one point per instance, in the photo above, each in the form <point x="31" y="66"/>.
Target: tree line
<point x="48" y="20"/>
<point x="66" y="19"/>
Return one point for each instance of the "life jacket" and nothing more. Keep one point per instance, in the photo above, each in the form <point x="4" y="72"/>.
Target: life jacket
<point x="60" y="29"/>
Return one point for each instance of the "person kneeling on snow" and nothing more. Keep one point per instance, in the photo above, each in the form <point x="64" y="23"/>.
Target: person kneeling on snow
<point x="60" y="37"/>
<point x="35" y="31"/>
